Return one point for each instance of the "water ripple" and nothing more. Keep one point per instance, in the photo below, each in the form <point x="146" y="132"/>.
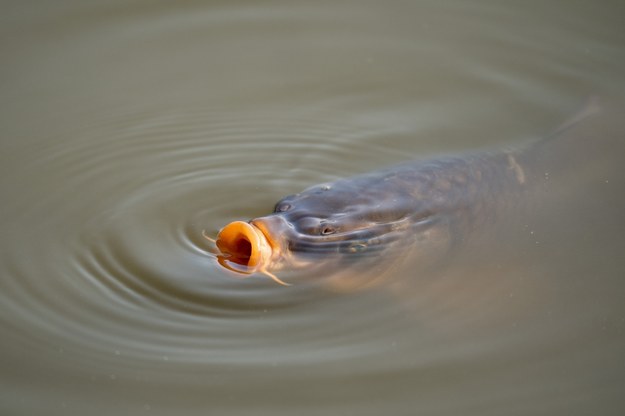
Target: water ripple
<point x="134" y="195"/>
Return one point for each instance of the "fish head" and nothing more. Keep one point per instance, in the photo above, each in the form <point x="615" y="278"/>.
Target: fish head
<point x="323" y="226"/>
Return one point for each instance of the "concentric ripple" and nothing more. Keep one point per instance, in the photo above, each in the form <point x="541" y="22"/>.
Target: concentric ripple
<point x="134" y="197"/>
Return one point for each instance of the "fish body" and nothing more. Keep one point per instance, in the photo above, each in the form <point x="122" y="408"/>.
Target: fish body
<point x="430" y="203"/>
<point x="425" y="208"/>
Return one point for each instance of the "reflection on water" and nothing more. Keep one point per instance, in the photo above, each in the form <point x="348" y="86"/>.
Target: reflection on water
<point x="127" y="131"/>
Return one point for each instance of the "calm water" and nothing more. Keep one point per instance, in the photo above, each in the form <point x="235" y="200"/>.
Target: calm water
<point x="128" y="128"/>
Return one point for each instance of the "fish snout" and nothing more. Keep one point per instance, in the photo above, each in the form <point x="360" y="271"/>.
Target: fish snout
<point x="243" y="244"/>
<point x="274" y="228"/>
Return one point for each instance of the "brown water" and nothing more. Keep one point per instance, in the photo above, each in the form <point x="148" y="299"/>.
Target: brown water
<point x="129" y="128"/>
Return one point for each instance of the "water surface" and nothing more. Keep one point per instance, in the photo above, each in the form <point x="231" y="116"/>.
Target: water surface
<point x="129" y="129"/>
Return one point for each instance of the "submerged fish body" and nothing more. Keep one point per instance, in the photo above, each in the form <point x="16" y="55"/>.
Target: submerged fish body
<point x="430" y="204"/>
<point x="421" y="209"/>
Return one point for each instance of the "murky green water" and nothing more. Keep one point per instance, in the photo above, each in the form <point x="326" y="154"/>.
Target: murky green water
<point x="129" y="128"/>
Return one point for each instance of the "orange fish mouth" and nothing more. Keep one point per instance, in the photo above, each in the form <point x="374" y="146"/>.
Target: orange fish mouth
<point x="244" y="244"/>
<point x="248" y="248"/>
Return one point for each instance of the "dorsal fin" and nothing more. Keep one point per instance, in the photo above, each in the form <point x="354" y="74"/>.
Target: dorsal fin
<point x="590" y="107"/>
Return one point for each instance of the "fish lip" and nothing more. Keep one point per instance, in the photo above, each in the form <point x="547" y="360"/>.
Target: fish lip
<point x="256" y="255"/>
<point x="263" y="225"/>
<point x="248" y="248"/>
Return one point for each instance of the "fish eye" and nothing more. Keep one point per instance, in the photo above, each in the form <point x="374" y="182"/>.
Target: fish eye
<point x="312" y="226"/>
<point x="282" y="207"/>
<point x="327" y="230"/>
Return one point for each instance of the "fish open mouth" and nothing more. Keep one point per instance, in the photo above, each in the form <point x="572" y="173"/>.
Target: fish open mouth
<point x="244" y="244"/>
<point x="247" y="248"/>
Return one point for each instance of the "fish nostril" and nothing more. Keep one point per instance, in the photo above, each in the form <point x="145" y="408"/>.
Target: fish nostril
<point x="282" y="207"/>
